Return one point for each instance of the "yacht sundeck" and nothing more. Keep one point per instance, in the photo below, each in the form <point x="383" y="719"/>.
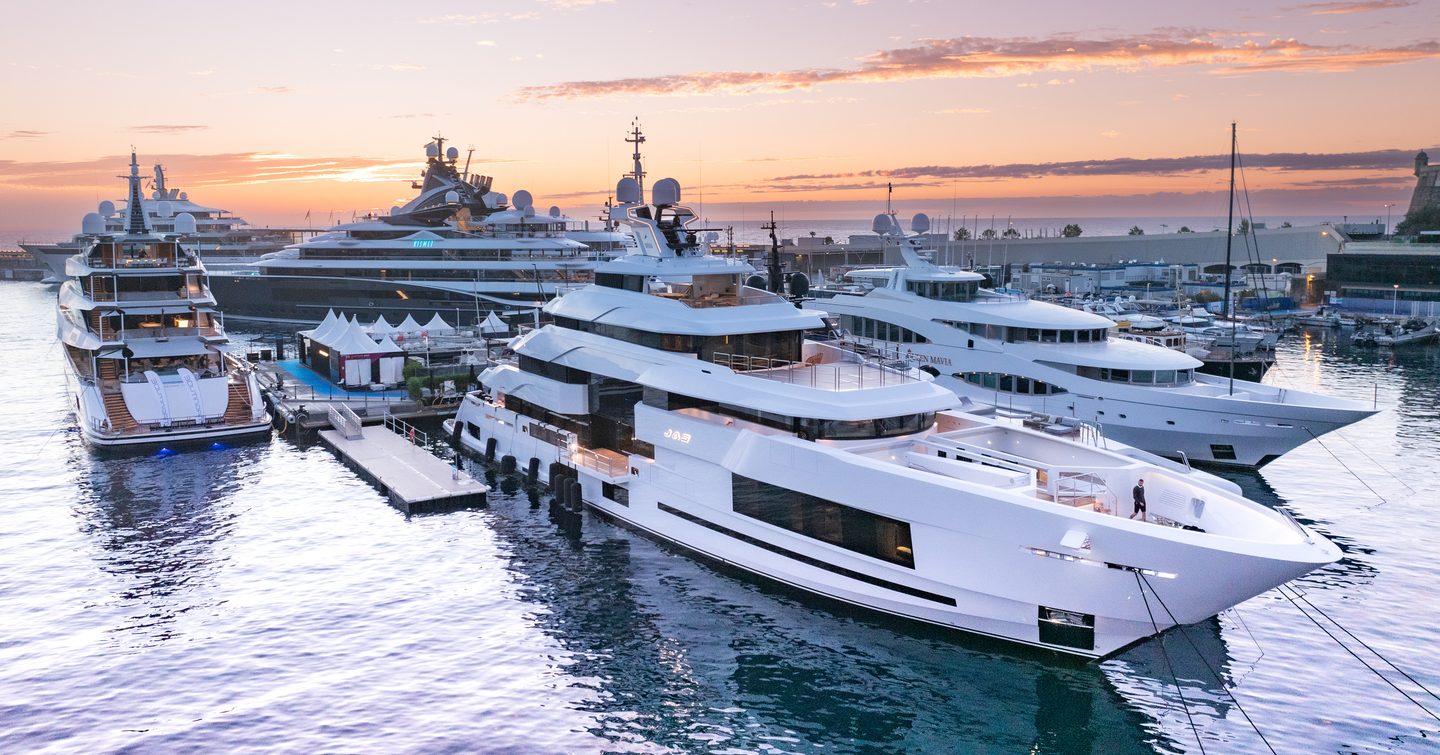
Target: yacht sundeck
<point x="1014" y="352"/>
<point x="144" y="344"/>
<point x="456" y="250"/>
<point x="220" y="238"/>
<point x="697" y="409"/>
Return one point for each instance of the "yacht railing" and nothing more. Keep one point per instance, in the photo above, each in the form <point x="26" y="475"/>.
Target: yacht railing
<point x="597" y="462"/>
<point x="843" y="375"/>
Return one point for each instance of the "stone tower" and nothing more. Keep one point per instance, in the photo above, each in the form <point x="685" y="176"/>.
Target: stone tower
<point x="1427" y="184"/>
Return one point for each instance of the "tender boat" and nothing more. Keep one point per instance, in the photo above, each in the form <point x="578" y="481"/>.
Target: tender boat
<point x="672" y="397"/>
<point x="144" y="344"/>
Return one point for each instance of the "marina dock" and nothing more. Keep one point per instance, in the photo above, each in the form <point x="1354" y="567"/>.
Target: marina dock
<point x="414" y="479"/>
<point x="292" y="388"/>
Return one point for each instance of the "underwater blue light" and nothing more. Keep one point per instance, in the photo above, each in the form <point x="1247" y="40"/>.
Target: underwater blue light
<point x="164" y="452"/>
<point x="216" y="446"/>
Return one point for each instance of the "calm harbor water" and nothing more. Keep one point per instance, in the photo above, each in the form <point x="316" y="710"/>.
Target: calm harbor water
<point x="262" y="597"/>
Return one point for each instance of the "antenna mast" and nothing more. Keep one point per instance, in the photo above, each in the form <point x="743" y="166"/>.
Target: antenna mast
<point x="636" y="138"/>
<point x="1229" y="239"/>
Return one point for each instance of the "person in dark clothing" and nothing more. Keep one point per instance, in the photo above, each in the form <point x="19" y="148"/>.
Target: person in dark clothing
<point x="1139" y="494"/>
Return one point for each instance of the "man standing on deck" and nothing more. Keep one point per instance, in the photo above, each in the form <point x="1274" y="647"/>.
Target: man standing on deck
<point x="1139" y="494"/>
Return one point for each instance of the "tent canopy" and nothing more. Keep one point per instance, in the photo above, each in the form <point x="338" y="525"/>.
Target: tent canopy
<point x="382" y="327"/>
<point x="437" y="324"/>
<point x="493" y="324"/>
<point x="408" y="325"/>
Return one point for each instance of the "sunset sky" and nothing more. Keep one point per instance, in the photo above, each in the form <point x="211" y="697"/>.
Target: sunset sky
<point x="1109" y="108"/>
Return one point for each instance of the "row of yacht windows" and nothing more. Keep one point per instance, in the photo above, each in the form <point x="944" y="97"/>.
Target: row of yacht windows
<point x="803" y="427"/>
<point x="436" y="254"/>
<point x="1014" y="334"/>
<point x="866" y="327"/>
<point x="850" y="528"/>
<point x="733" y="349"/>
<point x="1010" y="383"/>
<point x="512" y="275"/>
<point x="1138" y="377"/>
<point x="944" y="290"/>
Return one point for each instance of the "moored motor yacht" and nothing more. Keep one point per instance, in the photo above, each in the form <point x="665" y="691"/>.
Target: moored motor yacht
<point x="144" y="344"/>
<point x="1011" y="351"/>
<point x="672" y="397"/>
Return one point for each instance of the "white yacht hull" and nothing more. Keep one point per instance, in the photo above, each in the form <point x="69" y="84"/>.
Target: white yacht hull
<point x="1253" y="435"/>
<point x="985" y="565"/>
<point x="98" y="428"/>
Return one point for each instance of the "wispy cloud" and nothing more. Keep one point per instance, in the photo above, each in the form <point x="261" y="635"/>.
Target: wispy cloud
<point x="1388" y="159"/>
<point x="270" y="90"/>
<point x="203" y="72"/>
<point x="997" y="57"/>
<point x="397" y="67"/>
<point x="1366" y="6"/>
<point x="27" y="134"/>
<point x="168" y="128"/>
<point x="963" y="111"/>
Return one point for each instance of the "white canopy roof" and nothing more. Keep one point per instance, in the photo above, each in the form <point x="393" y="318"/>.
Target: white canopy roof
<point x="152" y="348"/>
<point x="328" y="329"/>
<point x="387" y="346"/>
<point x="493" y="324"/>
<point x="437" y="324"/>
<point x="408" y="326"/>
<point x="354" y="341"/>
<point x="381" y="327"/>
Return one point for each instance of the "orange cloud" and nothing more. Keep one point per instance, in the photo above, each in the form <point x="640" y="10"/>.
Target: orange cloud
<point x="992" y="57"/>
<point x="1327" y="9"/>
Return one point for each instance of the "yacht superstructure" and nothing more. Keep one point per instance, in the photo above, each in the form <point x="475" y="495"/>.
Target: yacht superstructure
<point x="220" y="238"/>
<point x="1011" y="351"/>
<point x="144" y="343"/>
<point x="458" y="249"/>
<point x="672" y="397"/>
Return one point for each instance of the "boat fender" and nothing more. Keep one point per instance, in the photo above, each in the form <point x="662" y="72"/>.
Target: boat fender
<point x="507" y="464"/>
<point x="490" y="450"/>
<point x="532" y="471"/>
<point x="575" y="498"/>
<point x="456" y="430"/>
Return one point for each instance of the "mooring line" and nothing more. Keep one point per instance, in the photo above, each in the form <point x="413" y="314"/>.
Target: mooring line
<point x="1206" y="661"/>
<point x="1366" y="645"/>
<point x="1166" y="654"/>
<point x="1316" y="438"/>
<point x="1396" y="477"/>
<point x="1357" y="657"/>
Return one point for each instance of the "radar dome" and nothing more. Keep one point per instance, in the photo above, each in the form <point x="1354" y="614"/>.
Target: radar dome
<point x="107" y="208"/>
<point x="452" y="197"/>
<point x="184" y="224"/>
<point x="452" y="154"/>
<point x="920" y="223"/>
<point x="755" y="281"/>
<point x="164" y="209"/>
<point x="883" y="224"/>
<point x="666" y="191"/>
<point x="500" y="199"/>
<point x="523" y="200"/>
<point x="184" y="197"/>
<point x="92" y="223"/>
<point x="627" y="191"/>
<point x="712" y="237"/>
<point x="156" y="194"/>
<point x="528" y="211"/>
<point x="432" y="150"/>
<point x="394" y="210"/>
<point x="554" y="211"/>
<point x="799" y="284"/>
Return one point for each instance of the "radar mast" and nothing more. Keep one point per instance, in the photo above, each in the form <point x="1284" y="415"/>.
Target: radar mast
<point x="638" y="173"/>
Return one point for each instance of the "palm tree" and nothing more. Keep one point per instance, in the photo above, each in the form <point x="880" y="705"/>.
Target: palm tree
<point x="1071" y="231"/>
<point x="1136" y="230"/>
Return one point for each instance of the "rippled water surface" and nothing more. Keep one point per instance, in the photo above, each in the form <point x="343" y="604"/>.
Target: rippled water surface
<point x="263" y="597"/>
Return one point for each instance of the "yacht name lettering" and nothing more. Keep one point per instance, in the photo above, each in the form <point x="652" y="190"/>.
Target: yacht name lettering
<point x="676" y="435"/>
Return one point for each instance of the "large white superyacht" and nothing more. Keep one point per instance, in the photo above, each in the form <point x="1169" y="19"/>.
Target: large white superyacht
<point x="144" y="344"/>
<point x="674" y="398"/>
<point x="220" y="238"/>
<point x="457" y="250"/>
<point x="1013" y="352"/>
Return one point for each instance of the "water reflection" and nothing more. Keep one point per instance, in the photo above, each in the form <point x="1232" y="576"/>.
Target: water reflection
<point x="678" y="654"/>
<point x="158" y="522"/>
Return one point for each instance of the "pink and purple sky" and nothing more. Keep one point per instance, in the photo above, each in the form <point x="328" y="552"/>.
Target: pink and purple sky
<point x="1105" y="108"/>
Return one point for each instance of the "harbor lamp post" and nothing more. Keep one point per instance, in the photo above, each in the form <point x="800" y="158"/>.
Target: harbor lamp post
<point x="1388" y="205"/>
<point x="1395" y="300"/>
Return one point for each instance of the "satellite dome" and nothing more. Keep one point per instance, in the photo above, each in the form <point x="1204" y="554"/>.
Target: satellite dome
<point x="883" y="224"/>
<point x="528" y="211"/>
<point x="184" y="224"/>
<point x="432" y="150"/>
<point x="712" y="237"/>
<point x="92" y="224"/>
<point x="452" y="197"/>
<point x="500" y="199"/>
<point x="554" y="211"/>
<point x="920" y="223"/>
<point x="627" y="191"/>
<point x="666" y="191"/>
<point x="523" y="200"/>
<point x="164" y="210"/>
<point x="107" y="208"/>
<point x="156" y="194"/>
<point x="452" y="153"/>
<point x="799" y="284"/>
<point x="394" y="211"/>
<point x="184" y="197"/>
